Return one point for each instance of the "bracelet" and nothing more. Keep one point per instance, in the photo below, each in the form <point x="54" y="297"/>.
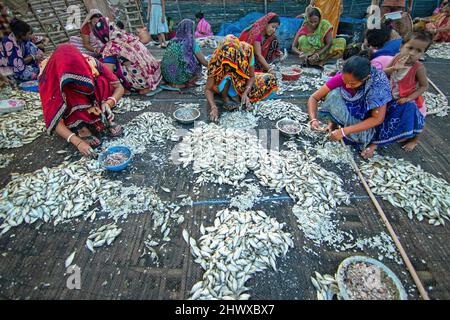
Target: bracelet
<point x="81" y="140"/>
<point x="68" y="139"/>
<point x="312" y="121"/>
<point x="343" y="133"/>
<point x="113" y="99"/>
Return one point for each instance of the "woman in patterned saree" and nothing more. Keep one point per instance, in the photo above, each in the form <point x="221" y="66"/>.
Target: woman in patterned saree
<point x="128" y="58"/>
<point x="182" y="61"/>
<point x="231" y="73"/>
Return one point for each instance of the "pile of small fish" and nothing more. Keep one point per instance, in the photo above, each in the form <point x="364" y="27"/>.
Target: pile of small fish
<point x="409" y="187"/>
<point x="221" y="155"/>
<point x="127" y="104"/>
<point x="326" y="286"/>
<point x="5" y="159"/>
<point x="316" y="191"/>
<point x="439" y="50"/>
<point x="105" y="235"/>
<point x="247" y="200"/>
<point x="238" y="120"/>
<point x="146" y="128"/>
<point x="239" y="244"/>
<point x="436" y="104"/>
<point x="332" y="151"/>
<point x="114" y="159"/>
<point x="207" y="42"/>
<point x="51" y="194"/>
<point x="278" y="109"/>
<point x="22" y="127"/>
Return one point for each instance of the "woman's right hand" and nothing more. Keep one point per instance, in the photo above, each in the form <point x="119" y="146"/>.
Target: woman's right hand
<point x="214" y="114"/>
<point x="85" y="149"/>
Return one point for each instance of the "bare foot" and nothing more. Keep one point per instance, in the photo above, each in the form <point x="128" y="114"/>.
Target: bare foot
<point x="369" y="151"/>
<point x="409" y="146"/>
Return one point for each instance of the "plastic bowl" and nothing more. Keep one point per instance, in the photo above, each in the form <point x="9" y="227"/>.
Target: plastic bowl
<point x="32" y="86"/>
<point x="115" y="149"/>
<point x="291" y="74"/>
<point x="284" y="122"/>
<point x="186" y="115"/>
<point x="340" y="275"/>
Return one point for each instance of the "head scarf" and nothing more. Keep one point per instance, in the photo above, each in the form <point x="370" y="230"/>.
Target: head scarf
<point x="185" y="36"/>
<point x="91" y="13"/>
<point x="250" y="34"/>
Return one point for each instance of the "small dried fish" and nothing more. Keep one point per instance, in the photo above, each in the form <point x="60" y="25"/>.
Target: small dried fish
<point x="69" y="259"/>
<point x="436" y="104"/>
<point x="5" y="160"/>
<point x="105" y="235"/>
<point x="114" y="159"/>
<point x="127" y="104"/>
<point x="439" y="50"/>
<point x="238" y="120"/>
<point x="409" y="187"/>
<point x="239" y="244"/>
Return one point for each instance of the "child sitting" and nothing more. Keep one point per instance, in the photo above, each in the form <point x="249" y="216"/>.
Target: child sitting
<point x="203" y="27"/>
<point x="405" y="115"/>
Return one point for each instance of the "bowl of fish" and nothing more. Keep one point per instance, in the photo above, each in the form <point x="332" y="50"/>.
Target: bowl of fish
<point x="364" y="278"/>
<point x="288" y="127"/>
<point x="115" y="158"/>
<point x="186" y="115"/>
<point x="32" y="86"/>
<point x="291" y="74"/>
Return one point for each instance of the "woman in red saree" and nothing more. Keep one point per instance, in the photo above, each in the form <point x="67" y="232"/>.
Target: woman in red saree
<point x="261" y="35"/>
<point x="440" y="28"/>
<point x="77" y="91"/>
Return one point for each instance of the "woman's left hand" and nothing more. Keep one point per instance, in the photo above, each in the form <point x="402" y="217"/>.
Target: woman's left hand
<point x="336" y="135"/>
<point x="163" y="20"/>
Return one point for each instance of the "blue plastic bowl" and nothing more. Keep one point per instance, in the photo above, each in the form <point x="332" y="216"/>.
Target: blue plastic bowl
<point x="112" y="150"/>
<point x="32" y="86"/>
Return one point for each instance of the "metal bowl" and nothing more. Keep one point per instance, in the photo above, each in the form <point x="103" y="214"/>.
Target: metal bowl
<point x="186" y="115"/>
<point x="285" y="122"/>
<point x="341" y="276"/>
<point x="115" y="149"/>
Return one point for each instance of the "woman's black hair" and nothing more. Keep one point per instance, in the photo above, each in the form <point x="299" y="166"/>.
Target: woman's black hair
<point x="358" y="66"/>
<point x="275" y="19"/>
<point x="120" y="25"/>
<point x="199" y="15"/>
<point x="352" y="50"/>
<point x="424" y="36"/>
<point x="20" y="28"/>
<point x="97" y="15"/>
<point x="378" y="37"/>
<point x="315" y="13"/>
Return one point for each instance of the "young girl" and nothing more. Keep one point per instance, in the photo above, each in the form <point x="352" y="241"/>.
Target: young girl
<point x="405" y="116"/>
<point x="156" y="14"/>
<point x="203" y="27"/>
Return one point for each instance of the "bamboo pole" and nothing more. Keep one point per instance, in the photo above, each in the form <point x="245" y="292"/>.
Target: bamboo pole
<point x="44" y="30"/>
<point x="391" y="231"/>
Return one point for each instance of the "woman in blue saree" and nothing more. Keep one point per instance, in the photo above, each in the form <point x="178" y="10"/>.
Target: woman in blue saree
<point x="355" y="103"/>
<point x="18" y="54"/>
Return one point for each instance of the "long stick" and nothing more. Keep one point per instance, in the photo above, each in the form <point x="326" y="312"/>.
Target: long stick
<point x="436" y="88"/>
<point x="399" y="246"/>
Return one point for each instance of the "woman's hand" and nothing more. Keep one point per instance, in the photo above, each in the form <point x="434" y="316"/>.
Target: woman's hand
<point x="85" y="149"/>
<point x="106" y="109"/>
<point x="214" y="114"/>
<point x="337" y="135"/>
<point x="313" y="58"/>
<point x="163" y="20"/>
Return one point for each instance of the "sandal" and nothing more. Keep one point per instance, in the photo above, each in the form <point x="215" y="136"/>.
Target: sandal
<point x="118" y="130"/>
<point x="93" y="141"/>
